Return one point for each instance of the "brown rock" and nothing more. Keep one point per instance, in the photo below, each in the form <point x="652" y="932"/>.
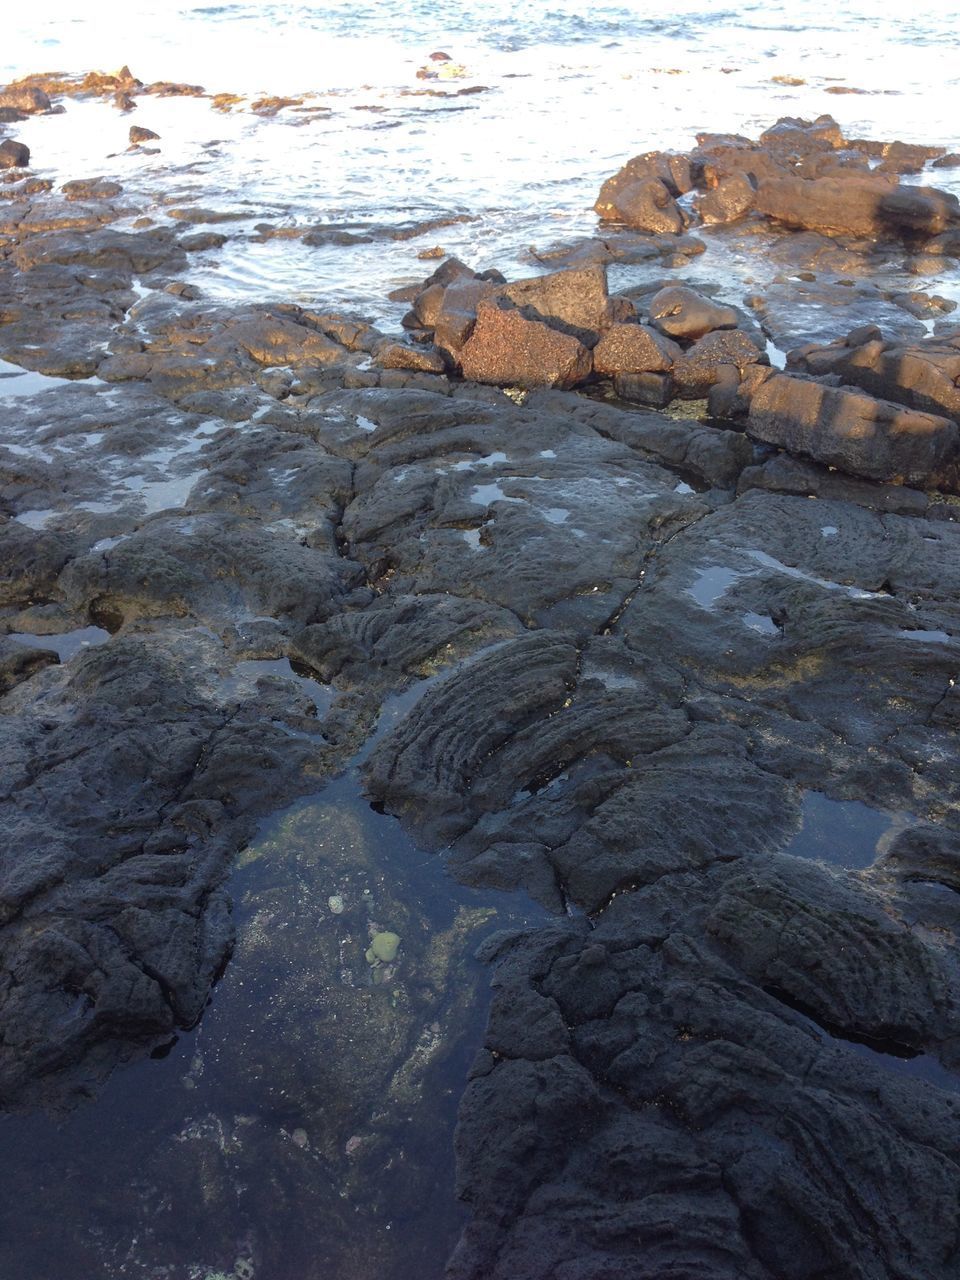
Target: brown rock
<point x="397" y="355"/>
<point x="23" y="97"/>
<point x="13" y="155"/>
<point x="138" y="134"/>
<point x="672" y="170"/>
<point x="634" y="348"/>
<point x="457" y="312"/>
<point x="646" y="205"/>
<point x="922" y="376"/>
<point x="654" y="390"/>
<point x="731" y="198"/>
<point x="702" y="366"/>
<point x="793" y="137"/>
<point x="684" y="313"/>
<point x="507" y="349"/>
<point x="575" y="300"/>
<point x="91" y="189"/>
<point x="857" y="205"/>
<point x="847" y="429"/>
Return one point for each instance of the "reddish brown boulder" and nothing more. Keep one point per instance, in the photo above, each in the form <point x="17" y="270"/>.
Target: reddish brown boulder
<point x="702" y="366"/>
<point x="634" y="348"/>
<point x="507" y="349"/>
<point x="575" y="300"/>
<point x="456" y="313"/>
<point x="672" y="170"/>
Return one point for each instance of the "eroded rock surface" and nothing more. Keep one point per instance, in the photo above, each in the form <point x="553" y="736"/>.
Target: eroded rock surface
<point x="693" y="695"/>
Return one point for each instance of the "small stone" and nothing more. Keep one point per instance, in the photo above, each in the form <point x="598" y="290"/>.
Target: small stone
<point x="138" y="134"/>
<point x="385" y="946"/>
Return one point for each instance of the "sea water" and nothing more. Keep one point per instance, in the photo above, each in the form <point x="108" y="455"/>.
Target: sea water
<point x="566" y="93"/>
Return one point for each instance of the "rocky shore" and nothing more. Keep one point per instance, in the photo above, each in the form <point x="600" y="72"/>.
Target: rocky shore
<point x="585" y="597"/>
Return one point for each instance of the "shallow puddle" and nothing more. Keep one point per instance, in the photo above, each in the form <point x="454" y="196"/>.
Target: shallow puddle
<point x="844" y="833"/>
<point x="305" y="1128"/>
<point x="66" y="644"/>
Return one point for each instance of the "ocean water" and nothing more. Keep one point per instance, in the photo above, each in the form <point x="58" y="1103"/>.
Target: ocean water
<point x="568" y="94"/>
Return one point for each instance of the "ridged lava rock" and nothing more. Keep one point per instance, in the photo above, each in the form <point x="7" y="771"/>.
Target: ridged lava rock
<point x="845" y="428"/>
<point x="922" y="376"/>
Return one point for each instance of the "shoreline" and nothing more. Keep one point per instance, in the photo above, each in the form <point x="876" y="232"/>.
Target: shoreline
<point x="625" y="688"/>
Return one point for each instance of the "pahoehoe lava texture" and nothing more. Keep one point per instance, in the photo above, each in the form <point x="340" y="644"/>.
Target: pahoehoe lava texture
<point x="633" y="651"/>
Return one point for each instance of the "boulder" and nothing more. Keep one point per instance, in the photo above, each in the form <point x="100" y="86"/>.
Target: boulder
<point x="700" y="368"/>
<point x="672" y="170"/>
<point x="139" y="134"/>
<point x="634" y="348"/>
<point x="575" y="301"/>
<point x="857" y="205"/>
<point x="507" y="349"/>
<point x="13" y="155"/>
<point x="646" y="205"/>
<point x="24" y="97"/>
<point x="397" y="355"/>
<point x="845" y="428"/>
<point x="731" y="198"/>
<point x="793" y="137"/>
<point x="653" y="390"/>
<point x="456" y="312"/>
<point x="685" y="313"/>
<point x="923" y="375"/>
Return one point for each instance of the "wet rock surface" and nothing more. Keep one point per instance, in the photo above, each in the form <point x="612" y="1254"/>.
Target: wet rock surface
<point x="324" y="659"/>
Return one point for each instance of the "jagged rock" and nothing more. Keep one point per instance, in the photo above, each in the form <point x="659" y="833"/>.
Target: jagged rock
<point x="621" y="1140"/>
<point x="507" y="349"/>
<point x="793" y="137"/>
<point x="575" y="301"/>
<point x="673" y="171"/>
<point x="634" y="348"/>
<point x="456" y="312"/>
<point x="733" y="197"/>
<point x="702" y="365"/>
<point x="645" y="205"/>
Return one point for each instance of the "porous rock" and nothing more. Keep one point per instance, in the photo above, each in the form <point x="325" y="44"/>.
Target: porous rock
<point x="507" y="349"/>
